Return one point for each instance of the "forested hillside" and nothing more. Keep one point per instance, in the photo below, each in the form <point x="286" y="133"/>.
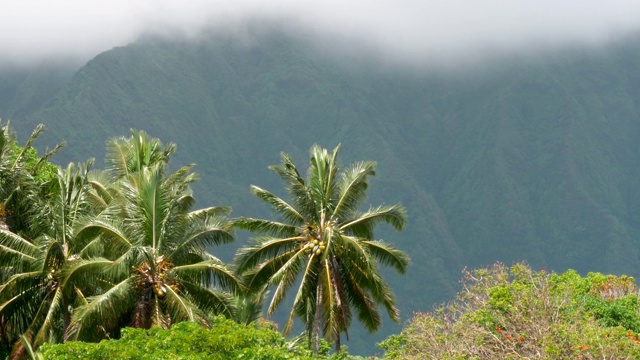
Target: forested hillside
<point x="529" y="158"/>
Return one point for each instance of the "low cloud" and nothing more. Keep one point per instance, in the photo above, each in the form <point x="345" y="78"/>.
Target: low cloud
<point x="413" y="31"/>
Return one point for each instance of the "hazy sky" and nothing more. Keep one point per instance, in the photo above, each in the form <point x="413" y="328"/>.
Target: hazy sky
<point x="419" y="30"/>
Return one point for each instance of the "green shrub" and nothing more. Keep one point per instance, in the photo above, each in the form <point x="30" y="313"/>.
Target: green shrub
<point x="225" y="340"/>
<point x="516" y="313"/>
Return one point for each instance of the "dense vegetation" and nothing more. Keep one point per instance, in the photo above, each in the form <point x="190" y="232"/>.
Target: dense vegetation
<point x="85" y="253"/>
<point x="225" y="340"/>
<point x="517" y="313"/>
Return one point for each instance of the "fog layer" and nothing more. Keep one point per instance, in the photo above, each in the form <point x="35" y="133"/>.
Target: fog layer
<point x="405" y="31"/>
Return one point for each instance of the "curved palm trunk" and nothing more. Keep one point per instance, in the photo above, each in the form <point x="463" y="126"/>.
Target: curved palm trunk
<point x="317" y="319"/>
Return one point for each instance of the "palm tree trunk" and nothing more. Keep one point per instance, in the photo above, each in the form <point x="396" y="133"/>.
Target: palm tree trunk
<point x="66" y="320"/>
<point x="317" y="318"/>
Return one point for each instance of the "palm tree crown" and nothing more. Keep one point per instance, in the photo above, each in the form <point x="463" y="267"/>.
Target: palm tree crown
<point x="326" y="240"/>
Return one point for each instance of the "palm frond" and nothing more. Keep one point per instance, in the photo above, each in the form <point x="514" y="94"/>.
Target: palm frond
<point x="108" y="230"/>
<point x="359" y="299"/>
<point x="91" y="275"/>
<point x="284" y="277"/>
<point x="45" y="320"/>
<point x="329" y="296"/>
<point x="208" y="273"/>
<point x="54" y="258"/>
<point x="305" y="295"/>
<point x="388" y="255"/>
<point x="20" y="298"/>
<point x="180" y="179"/>
<point x="210" y="212"/>
<point x="319" y="178"/>
<point x="14" y="249"/>
<point x="47" y="155"/>
<point x="273" y="228"/>
<point x="197" y="234"/>
<point x="295" y="185"/>
<point x="377" y="288"/>
<point x="249" y="305"/>
<point x="280" y="207"/>
<point x="267" y="248"/>
<point x="363" y="224"/>
<point x="210" y="300"/>
<point x="352" y="187"/>
<point x="34" y="135"/>
<point x="101" y="316"/>
<point x="100" y="189"/>
<point x="180" y="308"/>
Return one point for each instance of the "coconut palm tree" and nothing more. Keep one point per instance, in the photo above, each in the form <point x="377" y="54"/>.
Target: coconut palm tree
<point x="35" y="300"/>
<point x="21" y="170"/>
<point x="325" y="242"/>
<point x="150" y="248"/>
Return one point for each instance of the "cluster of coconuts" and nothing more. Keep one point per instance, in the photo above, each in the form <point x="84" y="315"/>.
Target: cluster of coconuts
<point x="315" y="247"/>
<point x="159" y="289"/>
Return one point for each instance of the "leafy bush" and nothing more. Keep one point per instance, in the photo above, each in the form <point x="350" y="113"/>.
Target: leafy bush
<point x="187" y="340"/>
<point x="225" y="340"/>
<point x="516" y="313"/>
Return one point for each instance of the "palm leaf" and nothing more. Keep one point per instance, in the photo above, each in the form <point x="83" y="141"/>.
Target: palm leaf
<point x="266" y="248"/>
<point x="198" y="234"/>
<point x="14" y="249"/>
<point x="352" y="187"/>
<point x="101" y="316"/>
<point x="388" y="255"/>
<point x="363" y="224"/>
<point x="208" y="273"/>
<point x="273" y="228"/>
<point x="44" y="321"/>
<point x="210" y="300"/>
<point x="280" y="207"/>
<point x="179" y="308"/>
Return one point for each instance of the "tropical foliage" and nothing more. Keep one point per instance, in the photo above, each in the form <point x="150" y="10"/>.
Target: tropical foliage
<point x="38" y="212"/>
<point x="517" y="313"/>
<point x="151" y="248"/>
<point x="84" y="253"/>
<point x="225" y="340"/>
<point x="323" y="240"/>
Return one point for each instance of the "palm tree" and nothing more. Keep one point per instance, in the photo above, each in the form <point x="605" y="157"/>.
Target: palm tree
<point x="21" y="170"/>
<point x="35" y="300"/>
<point x="323" y="239"/>
<point x="150" y="249"/>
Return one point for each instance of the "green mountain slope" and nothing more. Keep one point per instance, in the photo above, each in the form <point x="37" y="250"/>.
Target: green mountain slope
<point x="526" y="159"/>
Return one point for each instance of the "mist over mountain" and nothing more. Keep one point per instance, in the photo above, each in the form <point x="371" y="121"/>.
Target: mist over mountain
<point x="417" y="32"/>
<point x="524" y="158"/>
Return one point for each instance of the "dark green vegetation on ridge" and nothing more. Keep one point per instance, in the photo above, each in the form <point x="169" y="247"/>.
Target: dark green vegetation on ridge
<point x="528" y="159"/>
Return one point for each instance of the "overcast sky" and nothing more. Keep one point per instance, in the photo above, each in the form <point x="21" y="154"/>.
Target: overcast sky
<point x="415" y="30"/>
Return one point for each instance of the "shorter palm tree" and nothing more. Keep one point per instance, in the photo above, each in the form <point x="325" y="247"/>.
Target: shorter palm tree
<point x="150" y="252"/>
<point x="326" y="243"/>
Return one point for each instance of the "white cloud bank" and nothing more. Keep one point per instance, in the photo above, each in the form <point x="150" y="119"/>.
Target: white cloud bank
<point x="418" y="30"/>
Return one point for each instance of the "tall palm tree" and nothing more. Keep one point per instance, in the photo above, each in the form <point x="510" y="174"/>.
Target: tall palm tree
<point x="150" y="249"/>
<point x="323" y="239"/>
